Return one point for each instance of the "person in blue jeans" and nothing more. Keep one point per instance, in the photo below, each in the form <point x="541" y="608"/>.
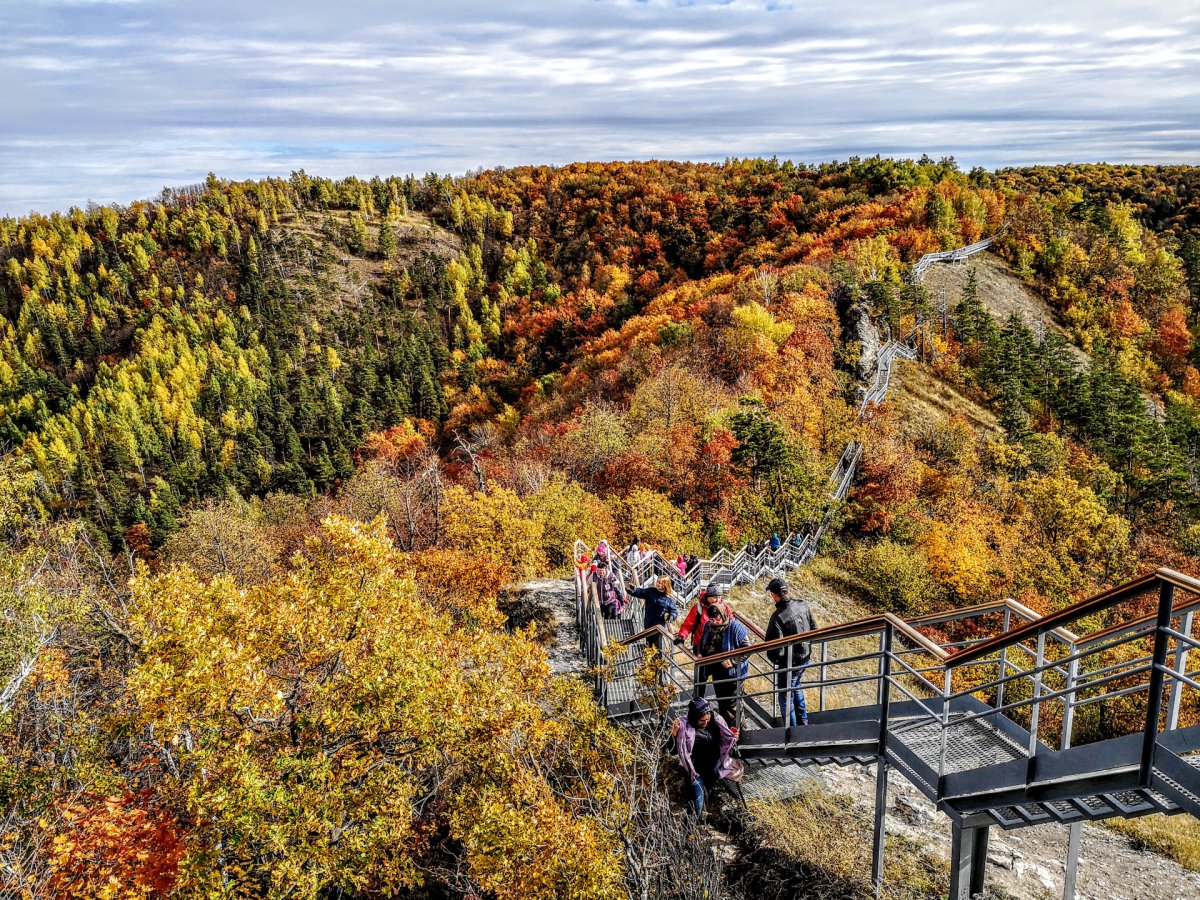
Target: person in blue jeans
<point x="790" y="618"/>
<point x="722" y="633"/>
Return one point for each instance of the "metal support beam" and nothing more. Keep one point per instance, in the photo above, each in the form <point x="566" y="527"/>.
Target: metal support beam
<point x="968" y="861"/>
<point x="880" y="834"/>
<point x="1166" y="606"/>
<point x="885" y="701"/>
<point x="1075" y="835"/>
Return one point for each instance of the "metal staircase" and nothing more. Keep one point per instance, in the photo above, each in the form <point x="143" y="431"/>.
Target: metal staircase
<point x="800" y="546"/>
<point x="999" y="716"/>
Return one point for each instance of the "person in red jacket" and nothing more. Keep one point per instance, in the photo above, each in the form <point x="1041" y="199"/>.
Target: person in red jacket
<point x="693" y="622"/>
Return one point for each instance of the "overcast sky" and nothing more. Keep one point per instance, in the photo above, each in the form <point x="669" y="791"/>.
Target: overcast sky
<point x="110" y="100"/>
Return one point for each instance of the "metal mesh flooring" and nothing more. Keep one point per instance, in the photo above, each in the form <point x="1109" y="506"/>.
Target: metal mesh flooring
<point x="621" y="687"/>
<point x="969" y="745"/>
<point x="1095" y="805"/>
<point x="778" y="782"/>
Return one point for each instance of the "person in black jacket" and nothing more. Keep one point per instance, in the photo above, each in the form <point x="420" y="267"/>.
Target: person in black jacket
<point x="791" y="617"/>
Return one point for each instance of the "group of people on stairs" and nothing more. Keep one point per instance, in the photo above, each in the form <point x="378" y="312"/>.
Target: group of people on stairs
<point x="705" y="737"/>
<point x="635" y="553"/>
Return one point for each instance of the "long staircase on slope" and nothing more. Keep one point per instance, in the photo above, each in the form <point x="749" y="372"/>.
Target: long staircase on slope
<point x="997" y="715"/>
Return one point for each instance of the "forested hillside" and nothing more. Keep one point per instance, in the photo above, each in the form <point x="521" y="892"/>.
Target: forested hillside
<point x="218" y="680"/>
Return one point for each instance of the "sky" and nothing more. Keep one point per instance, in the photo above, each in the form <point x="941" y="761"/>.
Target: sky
<point x="111" y="100"/>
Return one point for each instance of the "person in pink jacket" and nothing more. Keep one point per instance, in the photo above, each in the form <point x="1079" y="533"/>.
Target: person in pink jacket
<point x="705" y="746"/>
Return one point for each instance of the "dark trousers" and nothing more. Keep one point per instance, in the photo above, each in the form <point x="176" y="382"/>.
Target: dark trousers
<point x="726" y="685"/>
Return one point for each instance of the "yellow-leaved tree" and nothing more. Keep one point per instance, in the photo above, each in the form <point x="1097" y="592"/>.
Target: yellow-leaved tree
<point x="494" y="524"/>
<point x="567" y="512"/>
<point x="655" y="521"/>
<point x="337" y="730"/>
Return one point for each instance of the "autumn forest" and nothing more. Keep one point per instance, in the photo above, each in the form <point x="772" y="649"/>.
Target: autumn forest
<point x="272" y="453"/>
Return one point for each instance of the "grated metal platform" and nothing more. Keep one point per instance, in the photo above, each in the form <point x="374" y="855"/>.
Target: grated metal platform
<point x="778" y="782"/>
<point x="969" y="745"/>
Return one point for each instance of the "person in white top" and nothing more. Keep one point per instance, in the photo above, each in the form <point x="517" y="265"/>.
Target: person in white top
<point x="633" y="555"/>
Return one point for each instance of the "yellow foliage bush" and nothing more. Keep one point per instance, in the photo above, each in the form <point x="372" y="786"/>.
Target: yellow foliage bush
<point x="896" y="575"/>
<point x="656" y="521"/>
<point x="568" y="513"/>
<point x="753" y="320"/>
<point x="960" y="559"/>
<point x="496" y="524"/>
<point x="326" y="729"/>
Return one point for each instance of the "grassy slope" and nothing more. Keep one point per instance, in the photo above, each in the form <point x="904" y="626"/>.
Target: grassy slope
<point x="1000" y="289"/>
<point x="920" y="397"/>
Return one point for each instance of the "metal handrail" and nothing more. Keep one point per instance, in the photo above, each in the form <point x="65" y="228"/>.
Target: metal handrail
<point x="1099" y="603"/>
<point x="981" y="609"/>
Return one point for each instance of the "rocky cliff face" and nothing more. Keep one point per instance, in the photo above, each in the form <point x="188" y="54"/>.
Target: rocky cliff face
<point x="549" y="604"/>
<point x="863" y="330"/>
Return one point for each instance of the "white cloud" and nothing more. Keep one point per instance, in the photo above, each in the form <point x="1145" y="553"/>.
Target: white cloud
<point x="111" y="100"/>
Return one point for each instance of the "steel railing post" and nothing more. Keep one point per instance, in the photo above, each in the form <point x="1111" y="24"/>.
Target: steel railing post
<point x="1181" y="655"/>
<point x="738" y="712"/>
<point x="786" y="712"/>
<point x="1166" y="607"/>
<point x="885" y="686"/>
<point x="945" y="737"/>
<point x="1003" y="661"/>
<point x="882" y="656"/>
<point x="821" y="689"/>
<point x="1069" y="705"/>
<point x="1035" y="714"/>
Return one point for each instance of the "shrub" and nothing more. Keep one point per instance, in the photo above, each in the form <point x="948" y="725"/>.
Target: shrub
<point x="897" y="576"/>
